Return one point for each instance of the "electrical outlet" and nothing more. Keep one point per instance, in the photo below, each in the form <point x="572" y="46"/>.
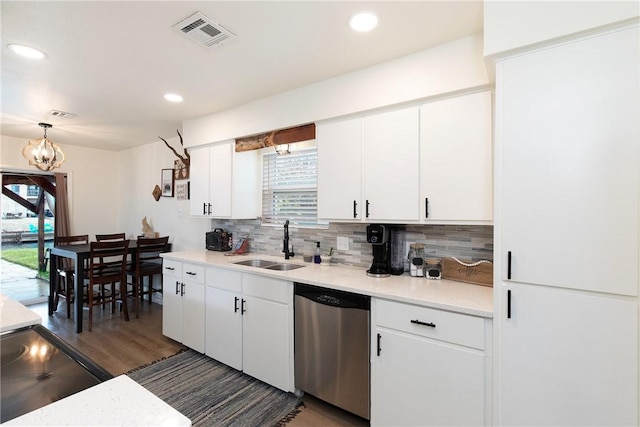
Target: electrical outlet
<point x="343" y="243"/>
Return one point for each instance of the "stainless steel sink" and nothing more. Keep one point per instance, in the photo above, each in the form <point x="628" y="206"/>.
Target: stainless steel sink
<point x="283" y="267"/>
<point x="269" y="265"/>
<point x="255" y="262"/>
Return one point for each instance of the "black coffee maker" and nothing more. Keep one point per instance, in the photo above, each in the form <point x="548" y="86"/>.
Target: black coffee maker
<point x="378" y="236"/>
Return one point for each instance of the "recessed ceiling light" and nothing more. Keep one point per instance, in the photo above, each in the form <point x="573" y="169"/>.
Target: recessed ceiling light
<point x="27" y="51"/>
<point x="363" y="21"/>
<point x="173" y="97"/>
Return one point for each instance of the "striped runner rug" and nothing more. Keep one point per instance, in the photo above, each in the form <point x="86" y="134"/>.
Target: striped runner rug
<point x="210" y="393"/>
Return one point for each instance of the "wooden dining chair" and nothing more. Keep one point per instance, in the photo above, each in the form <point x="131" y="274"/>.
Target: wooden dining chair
<point x="65" y="269"/>
<point x="108" y="271"/>
<point x="147" y="263"/>
<point x="108" y="237"/>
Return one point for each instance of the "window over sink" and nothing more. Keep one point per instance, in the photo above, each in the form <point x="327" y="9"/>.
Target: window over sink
<point x="289" y="187"/>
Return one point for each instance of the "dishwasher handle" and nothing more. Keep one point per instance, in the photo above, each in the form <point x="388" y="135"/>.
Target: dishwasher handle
<point x="332" y="297"/>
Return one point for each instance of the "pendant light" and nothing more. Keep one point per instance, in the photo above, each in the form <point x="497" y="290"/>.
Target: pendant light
<point x="43" y="153"/>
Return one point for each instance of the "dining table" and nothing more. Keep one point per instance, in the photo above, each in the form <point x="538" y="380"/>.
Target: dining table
<point x="79" y="254"/>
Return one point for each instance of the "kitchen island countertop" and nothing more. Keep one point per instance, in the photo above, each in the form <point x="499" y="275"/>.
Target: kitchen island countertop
<point x="443" y="294"/>
<point x="107" y="404"/>
<point x="14" y="315"/>
<point x="118" y="402"/>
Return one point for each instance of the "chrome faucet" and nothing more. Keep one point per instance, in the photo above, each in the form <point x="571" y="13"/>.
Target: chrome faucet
<point x="285" y="243"/>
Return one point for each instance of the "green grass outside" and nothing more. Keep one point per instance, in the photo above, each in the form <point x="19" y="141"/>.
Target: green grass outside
<point x="24" y="257"/>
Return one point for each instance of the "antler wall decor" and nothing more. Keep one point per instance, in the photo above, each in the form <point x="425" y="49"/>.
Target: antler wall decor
<point x="181" y="167"/>
<point x="186" y="158"/>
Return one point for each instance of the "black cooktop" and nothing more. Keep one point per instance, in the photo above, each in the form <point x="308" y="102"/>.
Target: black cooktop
<point x="38" y="368"/>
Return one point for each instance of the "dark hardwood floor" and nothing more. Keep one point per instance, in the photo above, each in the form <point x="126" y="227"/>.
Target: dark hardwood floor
<point x="116" y="345"/>
<point x="119" y="346"/>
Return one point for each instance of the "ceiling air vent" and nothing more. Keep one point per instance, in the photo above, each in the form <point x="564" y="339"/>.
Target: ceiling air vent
<point x="204" y="31"/>
<point x="58" y="113"/>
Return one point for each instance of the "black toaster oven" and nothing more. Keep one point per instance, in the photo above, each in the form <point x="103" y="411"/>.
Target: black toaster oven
<point x="219" y="240"/>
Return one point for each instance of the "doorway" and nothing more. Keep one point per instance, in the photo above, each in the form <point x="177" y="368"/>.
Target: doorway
<point x="28" y="227"/>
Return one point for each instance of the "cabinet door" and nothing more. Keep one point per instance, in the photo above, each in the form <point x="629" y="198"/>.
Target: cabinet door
<point x="172" y="307"/>
<point x="456" y="152"/>
<point x="568" y="122"/>
<point x="220" y="169"/>
<point x="340" y="170"/>
<point x="420" y="382"/>
<point x="199" y="181"/>
<point x="193" y="320"/>
<point x="391" y="164"/>
<point x="224" y="326"/>
<point x="266" y="345"/>
<point x="568" y="358"/>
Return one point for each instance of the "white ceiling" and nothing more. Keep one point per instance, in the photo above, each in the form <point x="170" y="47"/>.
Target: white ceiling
<point x="110" y="62"/>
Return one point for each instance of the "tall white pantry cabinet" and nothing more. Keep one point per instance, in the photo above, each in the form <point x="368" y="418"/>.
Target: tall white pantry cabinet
<point x="567" y="156"/>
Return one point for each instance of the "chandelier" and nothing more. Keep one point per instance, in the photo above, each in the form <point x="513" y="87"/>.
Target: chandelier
<point x="43" y="153"/>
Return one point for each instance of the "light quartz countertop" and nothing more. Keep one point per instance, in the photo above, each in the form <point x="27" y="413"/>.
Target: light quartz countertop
<point x="14" y="315"/>
<point x="448" y="295"/>
<point x="118" y="402"/>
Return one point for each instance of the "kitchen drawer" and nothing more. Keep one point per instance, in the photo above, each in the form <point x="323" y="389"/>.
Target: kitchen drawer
<point x="172" y="268"/>
<point x="224" y="279"/>
<point x="193" y="272"/>
<point x="267" y="288"/>
<point x="437" y="324"/>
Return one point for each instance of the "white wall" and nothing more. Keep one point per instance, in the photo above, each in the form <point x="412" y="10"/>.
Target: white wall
<point x="111" y="191"/>
<point x="93" y="183"/>
<point x="141" y="168"/>
<point x="510" y="25"/>
<point x="450" y="67"/>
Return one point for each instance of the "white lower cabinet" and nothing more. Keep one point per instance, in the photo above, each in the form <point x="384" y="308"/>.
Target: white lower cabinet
<point x="249" y="324"/>
<point x="183" y="303"/>
<point x="223" y="315"/>
<point x="575" y="354"/>
<point x="430" y="367"/>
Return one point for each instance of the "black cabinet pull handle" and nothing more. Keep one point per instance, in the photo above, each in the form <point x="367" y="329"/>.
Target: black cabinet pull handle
<point x="379" y="348"/>
<point x="355" y="213"/>
<point x="181" y="289"/>
<point x="509" y="265"/>
<point x="177" y="290"/>
<point x="235" y="304"/>
<point x="426" y="207"/>
<point x="367" y="209"/>
<point x="509" y="304"/>
<point x="190" y="273"/>
<point x="204" y="208"/>
<point x="418" y="322"/>
<point x="209" y="210"/>
<point x="169" y="268"/>
<point x="242" y="308"/>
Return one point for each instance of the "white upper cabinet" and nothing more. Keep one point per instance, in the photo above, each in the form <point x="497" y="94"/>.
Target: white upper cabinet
<point x="368" y="168"/>
<point x="199" y="181"/>
<point x="391" y="165"/>
<point x="431" y="164"/>
<point x="456" y="169"/>
<point x="569" y="121"/>
<point x="224" y="184"/>
<point x="340" y="170"/>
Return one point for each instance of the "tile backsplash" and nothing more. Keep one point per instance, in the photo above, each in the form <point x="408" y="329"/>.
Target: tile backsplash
<point x="469" y="242"/>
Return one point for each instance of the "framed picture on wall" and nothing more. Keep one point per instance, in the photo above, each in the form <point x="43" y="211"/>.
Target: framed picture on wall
<point x="166" y="182"/>
<point x="182" y="191"/>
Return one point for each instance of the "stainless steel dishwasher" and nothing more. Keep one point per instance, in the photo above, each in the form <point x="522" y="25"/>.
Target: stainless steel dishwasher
<point x="332" y="330"/>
